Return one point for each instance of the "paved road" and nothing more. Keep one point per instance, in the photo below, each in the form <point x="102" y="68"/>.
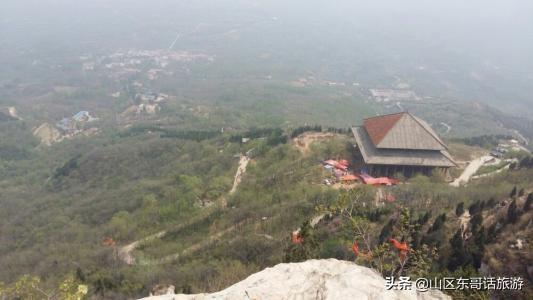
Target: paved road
<point x="470" y="170"/>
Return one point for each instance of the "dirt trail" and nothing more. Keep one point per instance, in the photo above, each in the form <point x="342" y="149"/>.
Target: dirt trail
<point x="125" y="253"/>
<point x="243" y="163"/>
<point x="303" y="141"/>
<point x="316" y="220"/>
<point x="193" y="248"/>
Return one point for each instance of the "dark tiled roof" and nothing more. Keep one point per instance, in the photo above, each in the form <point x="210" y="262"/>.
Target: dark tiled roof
<point x="402" y="131"/>
<point x="403" y="157"/>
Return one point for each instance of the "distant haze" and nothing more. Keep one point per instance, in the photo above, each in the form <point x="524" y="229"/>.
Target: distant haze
<point x="489" y="42"/>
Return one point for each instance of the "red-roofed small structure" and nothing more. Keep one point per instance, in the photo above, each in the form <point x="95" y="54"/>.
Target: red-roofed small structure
<point x="349" y="178"/>
<point x="330" y="162"/>
<point x="367" y="179"/>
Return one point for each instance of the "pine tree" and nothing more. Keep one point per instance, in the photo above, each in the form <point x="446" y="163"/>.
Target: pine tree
<point x="439" y="222"/>
<point x="481" y="206"/>
<point x="477" y="250"/>
<point x="513" y="192"/>
<point x="460" y="209"/>
<point x="492" y="201"/>
<point x="424" y="219"/>
<point x="80" y="275"/>
<point x="458" y="255"/>
<point x="476" y="221"/>
<point x="512" y="213"/>
<point x="525" y="162"/>
<point x="529" y="201"/>
<point x="306" y="249"/>
<point x="386" y="231"/>
<point x="480" y="238"/>
<point x="491" y="232"/>
<point x="474" y="208"/>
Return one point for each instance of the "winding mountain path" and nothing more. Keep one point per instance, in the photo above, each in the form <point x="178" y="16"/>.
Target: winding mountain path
<point x="193" y="248"/>
<point x="125" y="253"/>
<point x="243" y="163"/>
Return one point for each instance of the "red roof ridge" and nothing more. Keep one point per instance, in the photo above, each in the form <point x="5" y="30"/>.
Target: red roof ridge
<point x="387" y="115"/>
<point x="379" y="126"/>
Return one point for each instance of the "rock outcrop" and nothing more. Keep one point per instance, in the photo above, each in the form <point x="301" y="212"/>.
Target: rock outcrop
<point x="48" y="134"/>
<point x="13" y="112"/>
<point x="314" y="279"/>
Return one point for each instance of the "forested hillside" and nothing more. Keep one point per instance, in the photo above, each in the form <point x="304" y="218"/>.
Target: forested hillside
<point x="75" y="212"/>
<point x="149" y="143"/>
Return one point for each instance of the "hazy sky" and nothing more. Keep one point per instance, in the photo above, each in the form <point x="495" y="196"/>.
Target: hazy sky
<point x="453" y="33"/>
<point x="500" y="19"/>
<point x="502" y="29"/>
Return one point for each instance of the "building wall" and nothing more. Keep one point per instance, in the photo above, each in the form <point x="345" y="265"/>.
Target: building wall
<point x="406" y="171"/>
<point x="392" y="170"/>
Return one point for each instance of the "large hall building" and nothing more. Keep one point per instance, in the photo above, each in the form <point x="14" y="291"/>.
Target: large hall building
<point x="400" y="143"/>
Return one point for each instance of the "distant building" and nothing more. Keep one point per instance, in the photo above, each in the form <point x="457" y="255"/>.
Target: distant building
<point x="66" y="124"/>
<point x="400" y="143"/>
<point x="69" y="125"/>
<point x="386" y="95"/>
<point x="82" y="116"/>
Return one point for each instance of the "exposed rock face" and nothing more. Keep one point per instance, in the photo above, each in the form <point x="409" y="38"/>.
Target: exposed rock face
<point x="48" y="134"/>
<point x="329" y="279"/>
<point x="13" y="112"/>
<point x="162" y="289"/>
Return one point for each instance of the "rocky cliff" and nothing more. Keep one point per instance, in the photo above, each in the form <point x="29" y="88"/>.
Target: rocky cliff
<point x="313" y="279"/>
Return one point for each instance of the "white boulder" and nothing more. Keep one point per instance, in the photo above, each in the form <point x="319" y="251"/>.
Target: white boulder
<point x="328" y="279"/>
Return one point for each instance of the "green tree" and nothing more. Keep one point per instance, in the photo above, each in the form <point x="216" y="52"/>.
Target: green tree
<point x="477" y="249"/>
<point x="438" y="224"/>
<point x="458" y="256"/>
<point x="476" y="221"/>
<point x="425" y="218"/>
<point x="149" y="213"/>
<point x="29" y="287"/>
<point x="307" y="249"/>
<point x="474" y="208"/>
<point x="513" y="192"/>
<point x="529" y="201"/>
<point x="460" y="209"/>
<point x="217" y="187"/>
<point x="121" y="226"/>
<point x="512" y="212"/>
<point x="69" y="289"/>
<point x="386" y="231"/>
